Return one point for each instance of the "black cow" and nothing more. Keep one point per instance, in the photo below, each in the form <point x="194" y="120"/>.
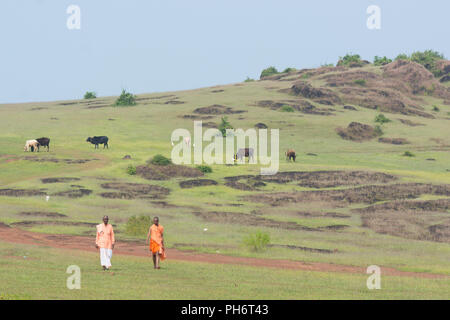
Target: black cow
<point x="246" y="152"/>
<point x="43" y="142"/>
<point x="98" y="140"/>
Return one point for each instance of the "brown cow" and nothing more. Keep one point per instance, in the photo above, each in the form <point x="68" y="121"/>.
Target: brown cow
<point x="290" y="154"/>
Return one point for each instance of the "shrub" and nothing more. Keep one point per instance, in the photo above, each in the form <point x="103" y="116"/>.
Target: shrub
<point x="287" y="70"/>
<point x="286" y="108"/>
<point x="126" y="99"/>
<point x="131" y="170"/>
<point x="257" y="241"/>
<point x="408" y="154"/>
<point x="360" y="82"/>
<point x="90" y="95"/>
<point x="204" y="168"/>
<point x="138" y="226"/>
<point x="381" y="119"/>
<point x="224" y="125"/>
<point x="428" y="59"/>
<point x="381" y="61"/>
<point x="160" y="160"/>
<point x="268" y="72"/>
<point x="402" y="56"/>
<point x="249" y="80"/>
<point x="378" y="131"/>
<point x="435" y="109"/>
<point x="306" y="75"/>
<point x="349" y="59"/>
<point x="327" y="65"/>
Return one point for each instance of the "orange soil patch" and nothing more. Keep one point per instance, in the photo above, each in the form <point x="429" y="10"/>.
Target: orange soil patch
<point x="135" y="248"/>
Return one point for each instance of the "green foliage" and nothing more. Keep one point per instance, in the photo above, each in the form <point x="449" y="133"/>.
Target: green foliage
<point x="287" y="70"/>
<point x="90" y="95"/>
<point x="427" y="58"/>
<point x="160" y="160"/>
<point x="378" y="131"/>
<point x="286" y="108"/>
<point x="381" y="119"/>
<point x="204" y="168"/>
<point x="268" y="72"/>
<point x="349" y="59"/>
<point x="306" y="75"/>
<point x="126" y="99"/>
<point x="131" y="170"/>
<point x="381" y="61"/>
<point x="361" y="82"/>
<point x="249" y="80"/>
<point x="257" y="241"/>
<point x="138" y="225"/>
<point x="224" y="125"/>
<point x="435" y="109"/>
<point x="327" y="65"/>
<point x="408" y="154"/>
<point x="402" y="56"/>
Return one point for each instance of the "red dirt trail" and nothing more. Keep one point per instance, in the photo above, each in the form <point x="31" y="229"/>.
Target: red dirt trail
<point x="134" y="248"/>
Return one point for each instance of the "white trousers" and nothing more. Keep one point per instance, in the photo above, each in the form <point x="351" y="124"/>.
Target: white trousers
<point x="105" y="257"/>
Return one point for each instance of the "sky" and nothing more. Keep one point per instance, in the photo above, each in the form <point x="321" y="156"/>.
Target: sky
<point x="147" y="46"/>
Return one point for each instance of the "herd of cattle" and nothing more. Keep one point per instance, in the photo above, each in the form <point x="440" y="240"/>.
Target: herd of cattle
<point x="35" y="144"/>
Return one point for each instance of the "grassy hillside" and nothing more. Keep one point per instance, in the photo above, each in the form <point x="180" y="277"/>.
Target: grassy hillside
<point x="346" y="215"/>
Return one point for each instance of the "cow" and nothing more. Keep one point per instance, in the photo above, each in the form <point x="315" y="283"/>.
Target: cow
<point x="246" y="152"/>
<point x="31" y="145"/>
<point x="43" y="142"/>
<point x="98" y="140"/>
<point x="290" y="154"/>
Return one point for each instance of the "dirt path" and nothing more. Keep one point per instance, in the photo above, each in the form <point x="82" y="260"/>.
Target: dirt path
<point x="139" y="249"/>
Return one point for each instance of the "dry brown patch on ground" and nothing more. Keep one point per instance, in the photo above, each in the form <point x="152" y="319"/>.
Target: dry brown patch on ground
<point x="55" y="160"/>
<point x="42" y="214"/>
<point x="58" y="180"/>
<point x="217" y="109"/>
<point x="393" y="140"/>
<point x="134" y="191"/>
<point x="197" y="183"/>
<point x="22" y="192"/>
<point x="410" y="123"/>
<point x="357" y="132"/>
<point x="196" y="117"/>
<point x="52" y="222"/>
<point x="321" y="95"/>
<point x="155" y="172"/>
<point x="74" y="193"/>
<point x="421" y="205"/>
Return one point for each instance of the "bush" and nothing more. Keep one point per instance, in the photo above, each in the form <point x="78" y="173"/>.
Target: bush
<point x="287" y="70"/>
<point x="428" y="59"/>
<point x="224" y="125"/>
<point x="126" y="99"/>
<point x="90" y="95"/>
<point x="286" y="108"/>
<point x="204" y="168"/>
<point x="402" y="56"/>
<point x="381" y="61"/>
<point x="378" y="131"/>
<point x="131" y="170"/>
<point x="360" y="82"/>
<point x="268" y="72"/>
<point x="381" y="119"/>
<point x="160" y="160"/>
<point x="138" y="226"/>
<point x="257" y="241"/>
<point x="249" y="80"/>
<point x="349" y="59"/>
<point x="408" y="154"/>
<point x="436" y="109"/>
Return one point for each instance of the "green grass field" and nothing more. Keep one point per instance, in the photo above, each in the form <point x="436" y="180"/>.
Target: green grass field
<point x="144" y="130"/>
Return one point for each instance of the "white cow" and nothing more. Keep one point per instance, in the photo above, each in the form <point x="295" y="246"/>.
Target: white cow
<point x="31" y="144"/>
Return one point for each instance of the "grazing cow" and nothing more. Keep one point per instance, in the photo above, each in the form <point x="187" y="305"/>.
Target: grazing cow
<point x="44" y="142"/>
<point x="98" y="140"/>
<point x="31" y="145"/>
<point x="246" y="152"/>
<point x="290" y="154"/>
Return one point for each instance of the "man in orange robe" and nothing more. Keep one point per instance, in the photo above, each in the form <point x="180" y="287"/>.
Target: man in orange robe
<point x="155" y="233"/>
<point x="105" y="241"/>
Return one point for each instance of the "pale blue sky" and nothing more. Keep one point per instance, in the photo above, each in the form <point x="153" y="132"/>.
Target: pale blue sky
<point x="161" y="45"/>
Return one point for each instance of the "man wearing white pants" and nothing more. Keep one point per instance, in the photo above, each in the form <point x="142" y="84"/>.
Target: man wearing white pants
<point x="105" y="242"/>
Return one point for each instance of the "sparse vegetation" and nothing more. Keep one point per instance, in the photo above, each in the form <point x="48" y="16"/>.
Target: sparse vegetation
<point x="381" y="118"/>
<point x="286" y="108"/>
<point x="90" y="95"/>
<point x="249" y="79"/>
<point x="224" y="125"/>
<point x="350" y="60"/>
<point x="257" y="241"/>
<point x="381" y="61"/>
<point x="378" y="131"/>
<point x="268" y="72"/>
<point x="287" y="70"/>
<point x="360" y="82"/>
<point x="427" y="58"/>
<point x="138" y="225"/>
<point x="204" y="168"/>
<point x="126" y="99"/>
<point x="131" y="170"/>
<point x="408" y="154"/>
<point x="160" y="160"/>
<point x="435" y="108"/>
